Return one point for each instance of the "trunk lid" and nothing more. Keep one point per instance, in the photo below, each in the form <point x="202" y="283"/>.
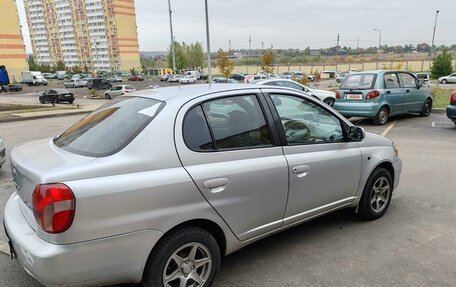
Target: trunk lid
<point x="33" y="163"/>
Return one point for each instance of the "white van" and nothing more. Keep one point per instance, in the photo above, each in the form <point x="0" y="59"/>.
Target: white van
<point x="195" y="74"/>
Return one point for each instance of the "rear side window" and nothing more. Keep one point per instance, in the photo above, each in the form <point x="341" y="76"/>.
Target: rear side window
<point x="196" y="131"/>
<point x="110" y="128"/>
<point x="359" y="82"/>
<point x="391" y="81"/>
<point x="229" y="123"/>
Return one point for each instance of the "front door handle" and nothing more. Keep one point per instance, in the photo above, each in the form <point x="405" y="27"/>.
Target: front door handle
<point x="301" y="170"/>
<point x="407" y="91"/>
<point x="216" y="185"/>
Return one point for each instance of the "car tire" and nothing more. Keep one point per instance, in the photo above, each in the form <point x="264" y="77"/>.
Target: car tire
<point x="329" y="101"/>
<point x="70" y="102"/>
<point x="172" y="255"/>
<point x="382" y="116"/>
<point x="444" y="82"/>
<point x="107" y="96"/>
<point x="41" y="101"/>
<point x="427" y="108"/>
<point x="376" y="196"/>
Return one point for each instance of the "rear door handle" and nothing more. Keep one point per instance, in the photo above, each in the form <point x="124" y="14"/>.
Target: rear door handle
<point x="301" y="170"/>
<point x="388" y="92"/>
<point x="216" y="185"/>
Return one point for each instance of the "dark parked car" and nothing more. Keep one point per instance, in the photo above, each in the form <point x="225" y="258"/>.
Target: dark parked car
<point x="164" y="78"/>
<point x="451" y="110"/>
<point x="98" y="84"/>
<point x="11" y="88"/>
<point x="136" y="78"/>
<point x="57" y="96"/>
<point x="238" y="77"/>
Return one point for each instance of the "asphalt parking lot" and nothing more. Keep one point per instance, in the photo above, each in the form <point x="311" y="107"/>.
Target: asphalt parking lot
<point x="414" y="244"/>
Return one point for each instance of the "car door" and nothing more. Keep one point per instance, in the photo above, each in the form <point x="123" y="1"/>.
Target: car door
<point x="452" y="78"/>
<point x="413" y="97"/>
<point x="229" y="149"/>
<point x="324" y="167"/>
<point x="394" y="93"/>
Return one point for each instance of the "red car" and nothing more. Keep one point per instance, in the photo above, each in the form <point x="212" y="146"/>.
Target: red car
<point x="136" y="78"/>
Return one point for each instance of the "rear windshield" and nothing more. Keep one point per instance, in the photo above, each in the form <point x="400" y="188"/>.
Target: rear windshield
<point x="110" y="128"/>
<point x="359" y="82"/>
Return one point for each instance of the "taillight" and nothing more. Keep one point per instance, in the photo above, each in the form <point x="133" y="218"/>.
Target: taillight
<point x="453" y="98"/>
<point x="337" y="95"/>
<point x="373" y="94"/>
<point x="53" y="207"/>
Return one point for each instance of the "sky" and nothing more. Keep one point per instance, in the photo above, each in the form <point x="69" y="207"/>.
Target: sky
<point x="290" y="24"/>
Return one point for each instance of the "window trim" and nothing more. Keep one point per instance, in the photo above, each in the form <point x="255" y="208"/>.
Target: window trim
<point x="374" y="82"/>
<point x="274" y="134"/>
<point x="344" y="126"/>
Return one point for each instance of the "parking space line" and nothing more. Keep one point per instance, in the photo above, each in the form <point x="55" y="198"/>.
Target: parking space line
<point x="388" y="129"/>
<point x="433" y="124"/>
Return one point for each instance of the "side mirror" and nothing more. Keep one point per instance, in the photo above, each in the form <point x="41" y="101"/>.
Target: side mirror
<point x="356" y="134"/>
<point x="419" y="85"/>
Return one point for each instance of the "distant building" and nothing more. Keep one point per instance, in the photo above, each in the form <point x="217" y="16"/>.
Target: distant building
<point x="12" y="49"/>
<point x="98" y="34"/>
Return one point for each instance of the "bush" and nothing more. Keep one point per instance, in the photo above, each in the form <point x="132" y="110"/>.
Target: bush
<point x="442" y="66"/>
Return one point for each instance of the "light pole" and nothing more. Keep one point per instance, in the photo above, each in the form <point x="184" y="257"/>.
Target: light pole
<point x="172" y="37"/>
<point x="209" y="64"/>
<point x="431" y="53"/>
<point x="379" y="38"/>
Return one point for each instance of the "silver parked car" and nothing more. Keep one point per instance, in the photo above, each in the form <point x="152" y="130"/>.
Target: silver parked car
<point x="326" y="97"/>
<point x="118" y="91"/>
<point x="450" y="79"/>
<point x="2" y="153"/>
<point x="157" y="186"/>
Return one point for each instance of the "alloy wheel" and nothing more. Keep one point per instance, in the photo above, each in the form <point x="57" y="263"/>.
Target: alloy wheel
<point x="188" y="266"/>
<point x="381" y="191"/>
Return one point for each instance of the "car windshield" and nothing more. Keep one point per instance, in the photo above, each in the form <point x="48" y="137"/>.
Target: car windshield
<point x="359" y="82"/>
<point x="110" y="128"/>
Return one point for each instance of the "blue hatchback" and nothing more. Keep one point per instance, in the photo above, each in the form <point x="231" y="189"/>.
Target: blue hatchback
<point x="381" y="94"/>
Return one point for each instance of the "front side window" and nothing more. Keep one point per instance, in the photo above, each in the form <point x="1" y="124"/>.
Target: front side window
<point x="408" y="80"/>
<point x="391" y="81"/>
<point x="305" y="122"/>
<point x="110" y="128"/>
<point x="237" y="122"/>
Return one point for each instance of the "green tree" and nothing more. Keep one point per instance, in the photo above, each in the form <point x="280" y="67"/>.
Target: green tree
<point x="181" y="57"/>
<point x="133" y="71"/>
<point x="442" y="66"/>
<point x="60" y="66"/>
<point x="224" y="63"/>
<point x="32" y="64"/>
<point x="196" y="56"/>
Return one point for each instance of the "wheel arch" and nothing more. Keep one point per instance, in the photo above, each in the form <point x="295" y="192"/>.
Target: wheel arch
<point x="388" y="166"/>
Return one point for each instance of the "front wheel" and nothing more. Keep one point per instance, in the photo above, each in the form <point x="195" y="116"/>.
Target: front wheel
<point x="189" y="256"/>
<point x="444" y="82"/>
<point x="382" y="116"/>
<point x="427" y="108"/>
<point x="377" y="195"/>
<point x="329" y="101"/>
<point x="107" y="96"/>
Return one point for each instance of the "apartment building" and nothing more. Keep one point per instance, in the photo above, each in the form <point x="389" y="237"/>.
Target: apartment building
<point x="98" y="34"/>
<point x="12" y="49"/>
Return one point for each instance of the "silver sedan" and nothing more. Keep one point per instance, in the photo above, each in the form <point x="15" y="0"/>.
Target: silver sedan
<point x="155" y="187"/>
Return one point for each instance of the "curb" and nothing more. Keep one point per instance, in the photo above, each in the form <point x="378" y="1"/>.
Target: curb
<point x="4" y="248"/>
<point x="439" y="111"/>
<point x="20" y="119"/>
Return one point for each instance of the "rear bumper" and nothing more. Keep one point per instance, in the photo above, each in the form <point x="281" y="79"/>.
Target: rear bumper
<point x="114" y="260"/>
<point x="451" y="112"/>
<point x="357" y="109"/>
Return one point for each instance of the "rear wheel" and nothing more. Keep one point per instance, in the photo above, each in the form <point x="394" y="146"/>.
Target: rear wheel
<point x="329" y="101"/>
<point x="376" y="195"/>
<point x="427" y="108"/>
<point x="382" y="116"/>
<point x="189" y="256"/>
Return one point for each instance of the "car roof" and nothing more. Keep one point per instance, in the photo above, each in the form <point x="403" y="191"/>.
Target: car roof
<point x="59" y="90"/>
<point x="190" y="92"/>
